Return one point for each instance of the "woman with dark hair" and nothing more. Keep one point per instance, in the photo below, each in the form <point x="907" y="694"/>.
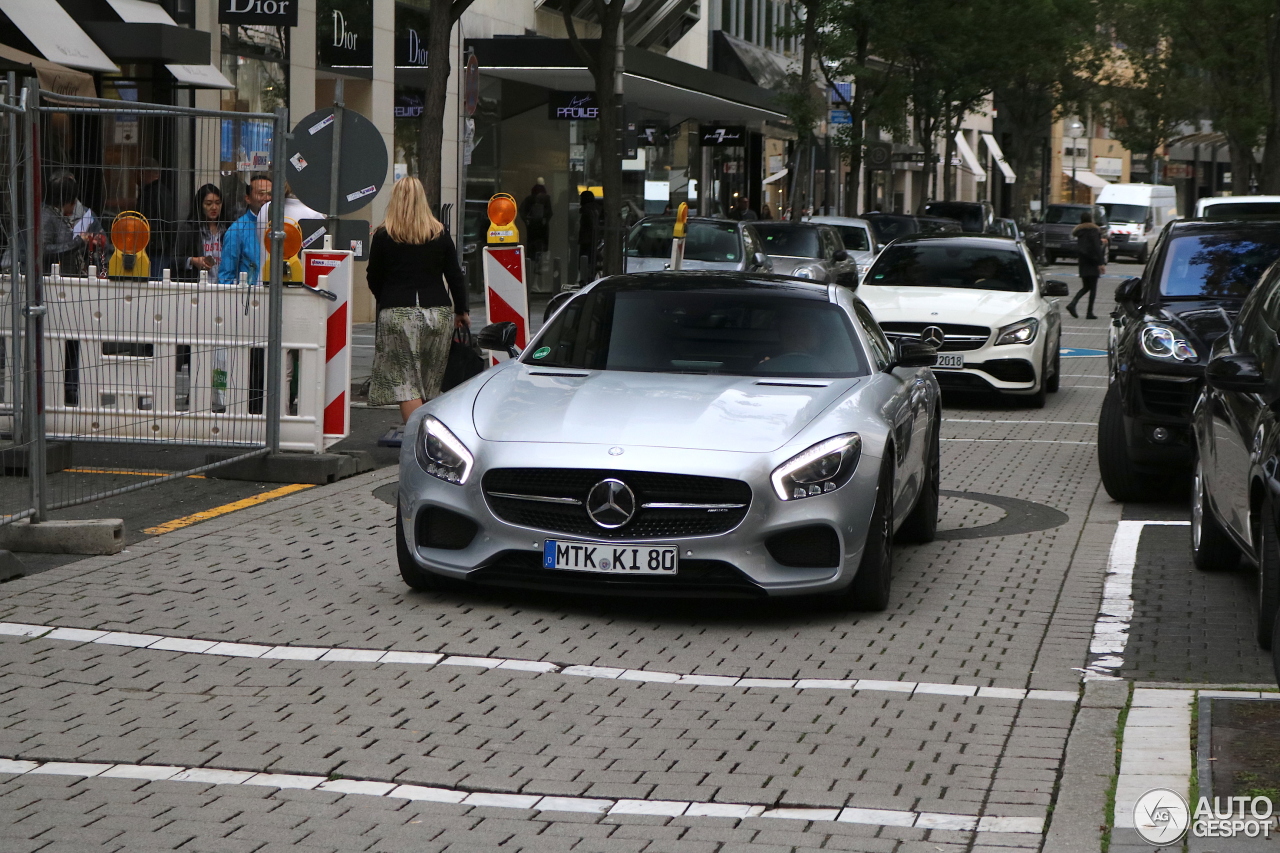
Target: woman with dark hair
<point x="200" y="237"/>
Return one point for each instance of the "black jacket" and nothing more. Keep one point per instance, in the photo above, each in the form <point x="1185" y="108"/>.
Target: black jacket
<point x="402" y="275"/>
<point x="1089" y="251"/>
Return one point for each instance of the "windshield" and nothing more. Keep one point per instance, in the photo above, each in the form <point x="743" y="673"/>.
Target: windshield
<point x="969" y="215"/>
<point x="1217" y="265"/>
<point x="704" y="241"/>
<point x="853" y="238"/>
<point x="731" y="332"/>
<point x="1239" y="210"/>
<point x="889" y="227"/>
<point x="1063" y="215"/>
<point x="948" y="265"/>
<point x="789" y="240"/>
<point x="1132" y="214"/>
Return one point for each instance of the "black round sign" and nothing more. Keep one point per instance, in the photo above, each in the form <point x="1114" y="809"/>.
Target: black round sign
<point x="879" y="155"/>
<point x="362" y="160"/>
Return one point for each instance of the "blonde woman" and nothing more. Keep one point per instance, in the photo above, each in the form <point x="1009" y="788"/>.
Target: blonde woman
<point x="415" y="277"/>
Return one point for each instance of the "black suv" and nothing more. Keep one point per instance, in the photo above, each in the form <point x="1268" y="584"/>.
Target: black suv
<point x="1161" y="331"/>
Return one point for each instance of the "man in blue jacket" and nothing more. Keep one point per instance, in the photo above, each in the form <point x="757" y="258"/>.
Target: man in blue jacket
<point x="242" y="246"/>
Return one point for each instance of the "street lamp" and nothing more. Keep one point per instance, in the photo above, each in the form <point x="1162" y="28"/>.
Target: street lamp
<point x="1075" y="130"/>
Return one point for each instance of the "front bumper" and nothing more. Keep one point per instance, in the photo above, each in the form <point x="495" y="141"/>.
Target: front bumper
<point x="738" y="563"/>
<point x="1009" y="369"/>
<point x="1160" y="401"/>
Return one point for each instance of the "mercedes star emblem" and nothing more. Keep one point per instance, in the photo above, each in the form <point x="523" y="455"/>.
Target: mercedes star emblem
<point x="615" y="451"/>
<point x="611" y="503"/>
<point x="933" y="336"/>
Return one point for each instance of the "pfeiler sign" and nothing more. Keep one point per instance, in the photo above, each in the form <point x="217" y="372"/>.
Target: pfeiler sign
<point x="273" y="13"/>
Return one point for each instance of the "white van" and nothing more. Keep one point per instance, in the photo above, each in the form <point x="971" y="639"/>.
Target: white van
<point x="1239" y="207"/>
<point x="1138" y="213"/>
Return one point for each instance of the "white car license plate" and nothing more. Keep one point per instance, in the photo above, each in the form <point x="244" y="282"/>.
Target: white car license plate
<point x="950" y="359"/>
<point x="614" y="559"/>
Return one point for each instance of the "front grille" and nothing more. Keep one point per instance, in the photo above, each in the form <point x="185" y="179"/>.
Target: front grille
<point x="1119" y="238"/>
<point x="649" y="487"/>
<point x="1171" y="398"/>
<point x="959" y="338"/>
<point x="956" y="381"/>
<point x="695" y="578"/>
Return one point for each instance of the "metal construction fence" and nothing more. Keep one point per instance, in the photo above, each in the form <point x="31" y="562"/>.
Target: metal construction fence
<point x="140" y="343"/>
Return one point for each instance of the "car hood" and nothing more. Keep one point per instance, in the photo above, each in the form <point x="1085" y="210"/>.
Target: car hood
<point x="732" y="413"/>
<point x="786" y="265"/>
<point x="946" y="304"/>
<point x="651" y="264"/>
<point x="1202" y="321"/>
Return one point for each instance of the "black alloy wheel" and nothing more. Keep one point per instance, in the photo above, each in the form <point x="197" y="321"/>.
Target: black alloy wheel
<point x="1268" y="575"/>
<point x="870" y="588"/>
<point x="921" y="526"/>
<point x="1211" y="548"/>
<point x="414" y="575"/>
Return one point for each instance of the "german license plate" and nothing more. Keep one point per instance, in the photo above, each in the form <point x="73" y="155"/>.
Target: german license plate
<point x="949" y="359"/>
<point x="613" y="559"/>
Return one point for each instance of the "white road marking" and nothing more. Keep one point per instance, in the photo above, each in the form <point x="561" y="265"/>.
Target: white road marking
<point x="537" y="802"/>
<point x="379" y="657"/>
<point x="1111" y="631"/>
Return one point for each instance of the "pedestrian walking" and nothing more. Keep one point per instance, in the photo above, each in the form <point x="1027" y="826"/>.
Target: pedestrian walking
<point x="421" y="294"/>
<point x="1091" y="259"/>
<point x="200" y="237"/>
<point x="241" y="248"/>
<point x="589" y="226"/>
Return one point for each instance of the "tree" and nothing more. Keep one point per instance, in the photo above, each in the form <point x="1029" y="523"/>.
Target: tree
<point x="800" y="102"/>
<point x="606" y="70"/>
<point x="442" y="15"/>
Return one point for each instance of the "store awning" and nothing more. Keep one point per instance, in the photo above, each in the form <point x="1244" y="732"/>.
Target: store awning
<point x="46" y="29"/>
<point x="994" y="148"/>
<point x="51" y="76"/>
<point x="651" y="81"/>
<point x="969" y="158"/>
<point x="200" y="76"/>
<point x="1087" y="177"/>
<point x="144" y="32"/>
<point x="776" y="176"/>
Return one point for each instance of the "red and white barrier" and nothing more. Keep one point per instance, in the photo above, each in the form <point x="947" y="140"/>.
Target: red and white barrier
<point x="505" y="296"/>
<point x="332" y="270"/>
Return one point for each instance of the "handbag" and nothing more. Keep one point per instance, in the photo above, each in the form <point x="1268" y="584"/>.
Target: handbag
<point x="464" y="361"/>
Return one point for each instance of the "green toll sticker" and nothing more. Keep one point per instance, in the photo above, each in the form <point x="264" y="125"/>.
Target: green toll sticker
<point x="542" y="352"/>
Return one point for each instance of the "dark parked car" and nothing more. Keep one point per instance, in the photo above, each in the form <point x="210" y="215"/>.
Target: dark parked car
<point x="975" y="217"/>
<point x="1051" y="236"/>
<point x="807" y="250"/>
<point x="1235" y="492"/>
<point x="1161" y="332"/>
<point x="891" y="226"/>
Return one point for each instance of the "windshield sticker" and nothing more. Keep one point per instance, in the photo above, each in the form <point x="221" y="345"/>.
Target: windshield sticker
<point x="542" y="352"/>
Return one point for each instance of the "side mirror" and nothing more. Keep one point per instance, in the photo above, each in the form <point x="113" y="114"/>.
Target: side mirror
<point x="499" y="336"/>
<point x="910" y="353"/>
<point x="840" y="256"/>
<point x="1053" y="287"/>
<point x="1236" y="372"/>
<point x="1129" y="290"/>
<point x="762" y="261"/>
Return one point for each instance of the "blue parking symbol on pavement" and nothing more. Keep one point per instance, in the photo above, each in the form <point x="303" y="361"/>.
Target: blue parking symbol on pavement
<point x="1081" y="352"/>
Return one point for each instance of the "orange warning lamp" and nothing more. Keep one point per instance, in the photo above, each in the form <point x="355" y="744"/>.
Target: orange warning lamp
<point x="130" y="234"/>
<point x="292" y="245"/>
<point x="682" y="219"/>
<point x="502" y="219"/>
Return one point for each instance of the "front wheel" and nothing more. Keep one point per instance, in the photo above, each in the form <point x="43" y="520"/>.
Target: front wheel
<point x="1211" y="548"/>
<point x="1120" y="477"/>
<point x="1268" y="576"/>
<point x="1054" y="382"/>
<point x="870" y="588"/>
<point x="1142" y="255"/>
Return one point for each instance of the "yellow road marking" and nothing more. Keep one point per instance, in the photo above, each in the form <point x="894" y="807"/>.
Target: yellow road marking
<point x="130" y="473"/>
<point x="207" y="514"/>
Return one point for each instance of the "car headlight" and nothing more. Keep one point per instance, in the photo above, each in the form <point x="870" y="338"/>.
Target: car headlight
<point x="807" y="272"/>
<point x="1163" y="342"/>
<point x="823" y="468"/>
<point x="441" y="454"/>
<point x="1021" y="332"/>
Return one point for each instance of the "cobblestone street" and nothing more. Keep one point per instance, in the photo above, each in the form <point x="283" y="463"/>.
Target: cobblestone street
<point x="264" y="681"/>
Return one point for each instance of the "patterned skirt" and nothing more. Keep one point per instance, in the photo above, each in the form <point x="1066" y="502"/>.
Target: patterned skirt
<point x="410" y="354"/>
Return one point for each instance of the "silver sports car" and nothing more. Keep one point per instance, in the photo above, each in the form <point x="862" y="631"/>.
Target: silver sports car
<point x="680" y="433"/>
